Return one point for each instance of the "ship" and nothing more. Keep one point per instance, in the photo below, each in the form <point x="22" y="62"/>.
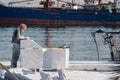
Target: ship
<point x="92" y="13"/>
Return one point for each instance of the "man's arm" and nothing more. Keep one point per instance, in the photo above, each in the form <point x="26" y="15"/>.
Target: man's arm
<point x="21" y="37"/>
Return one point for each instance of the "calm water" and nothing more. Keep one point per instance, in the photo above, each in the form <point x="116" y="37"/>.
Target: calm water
<point x="80" y="40"/>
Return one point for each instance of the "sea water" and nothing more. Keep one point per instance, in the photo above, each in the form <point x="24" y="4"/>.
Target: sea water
<point x="79" y="39"/>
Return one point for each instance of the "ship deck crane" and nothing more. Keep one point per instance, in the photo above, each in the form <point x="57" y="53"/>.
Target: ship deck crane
<point x="10" y="3"/>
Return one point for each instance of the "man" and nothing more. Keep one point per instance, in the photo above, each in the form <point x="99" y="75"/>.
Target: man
<point x="17" y="36"/>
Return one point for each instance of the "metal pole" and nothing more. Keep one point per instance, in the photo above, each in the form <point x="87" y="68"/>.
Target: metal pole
<point x="98" y="57"/>
<point x="111" y="50"/>
<point x="9" y="72"/>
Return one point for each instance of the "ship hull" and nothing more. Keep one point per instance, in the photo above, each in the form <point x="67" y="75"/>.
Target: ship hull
<point x="43" y="17"/>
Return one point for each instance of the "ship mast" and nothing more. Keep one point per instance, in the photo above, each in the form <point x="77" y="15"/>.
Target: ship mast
<point x="72" y="1"/>
<point x="99" y="1"/>
<point x="46" y="4"/>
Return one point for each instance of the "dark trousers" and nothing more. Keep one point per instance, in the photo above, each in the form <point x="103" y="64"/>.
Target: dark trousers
<point x="15" y="55"/>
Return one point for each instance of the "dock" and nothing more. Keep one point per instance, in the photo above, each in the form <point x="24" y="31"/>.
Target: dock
<point x="38" y="63"/>
<point x="77" y="70"/>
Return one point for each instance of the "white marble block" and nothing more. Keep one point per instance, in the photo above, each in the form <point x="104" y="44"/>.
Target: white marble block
<point x="31" y="55"/>
<point x="56" y="58"/>
<point x="29" y="44"/>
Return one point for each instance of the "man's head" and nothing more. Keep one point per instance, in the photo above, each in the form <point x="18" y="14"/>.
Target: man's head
<point x="22" y="27"/>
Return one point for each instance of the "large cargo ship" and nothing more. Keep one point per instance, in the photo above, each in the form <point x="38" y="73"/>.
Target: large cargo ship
<point x="93" y="13"/>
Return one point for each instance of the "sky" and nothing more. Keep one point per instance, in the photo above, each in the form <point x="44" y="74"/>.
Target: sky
<point x="36" y="2"/>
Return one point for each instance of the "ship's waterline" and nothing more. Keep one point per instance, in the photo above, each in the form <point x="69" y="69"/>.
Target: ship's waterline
<point x="45" y="22"/>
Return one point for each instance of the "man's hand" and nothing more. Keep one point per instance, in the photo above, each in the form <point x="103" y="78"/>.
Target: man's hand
<point x="26" y="38"/>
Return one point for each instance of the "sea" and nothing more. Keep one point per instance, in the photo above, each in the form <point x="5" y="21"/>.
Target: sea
<point x="84" y="42"/>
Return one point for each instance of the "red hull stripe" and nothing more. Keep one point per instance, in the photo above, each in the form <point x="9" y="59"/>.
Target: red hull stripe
<point x="39" y="22"/>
